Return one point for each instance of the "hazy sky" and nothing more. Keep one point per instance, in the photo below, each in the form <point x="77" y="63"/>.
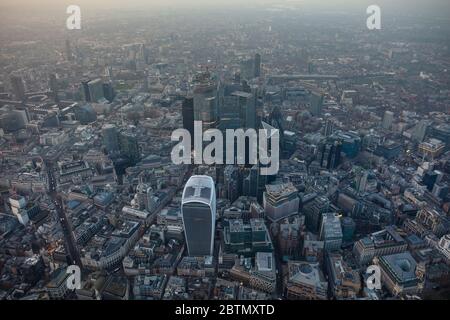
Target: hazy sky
<point x="441" y="7"/>
<point x="150" y="3"/>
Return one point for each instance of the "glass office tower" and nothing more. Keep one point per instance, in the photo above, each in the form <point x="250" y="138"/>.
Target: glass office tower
<point x="198" y="208"/>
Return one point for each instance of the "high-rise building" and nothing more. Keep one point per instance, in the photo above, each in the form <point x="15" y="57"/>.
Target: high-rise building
<point x="316" y="103"/>
<point x="110" y="138"/>
<point x="348" y="228"/>
<point x="247" y="68"/>
<point x="93" y="90"/>
<point x="429" y="179"/>
<point x="57" y="286"/>
<point x="129" y="146"/>
<point x="85" y="90"/>
<point x="330" y="154"/>
<point x="254" y="183"/>
<point x="361" y="181"/>
<point x="21" y="117"/>
<point x="313" y="212"/>
<point x="108" y="91"/>
<point x="18" y="206"/>
<point x="229" y="111"/>
<point x="371" y="141"/>
<point x="237" y="109"/>
<point x="328" y="130"/>
<point x="388" y="120"/>
<point x="350" y="142"/>
<point x="96" y="90"/>
<point x="140" y="56"/>
<point x="247" y="108"/>
<point x="280" y="201"/>
<point x="231" y="183"/>
<point x="18" y="87"/>
<point x="389" y="149"/>
<point x="53" y="85"/>
<point x="8" y="122"/>
<point x="330" y="231"/>
<point x="420" y="130"/>
<point x="205" y="101"/>
<point x="289" y="236"/>
<point x="187" y="111"/>
<point x="198" y="208"/>
<point x="440" y="190"/>
<point x="250" y="67"/>
<point x="275" y="121"/>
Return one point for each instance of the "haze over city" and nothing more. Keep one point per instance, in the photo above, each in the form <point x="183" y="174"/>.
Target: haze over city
<point x="135" y="143"/>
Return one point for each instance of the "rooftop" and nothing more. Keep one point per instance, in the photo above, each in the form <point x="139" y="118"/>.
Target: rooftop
<point x="401" y="267"/>
<point x="199" y="188"/>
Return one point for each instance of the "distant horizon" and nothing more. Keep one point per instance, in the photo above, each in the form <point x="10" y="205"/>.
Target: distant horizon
<point x="401" y="6"/>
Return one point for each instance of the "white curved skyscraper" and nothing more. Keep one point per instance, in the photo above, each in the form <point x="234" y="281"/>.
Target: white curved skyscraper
<point x="198" y="208"/>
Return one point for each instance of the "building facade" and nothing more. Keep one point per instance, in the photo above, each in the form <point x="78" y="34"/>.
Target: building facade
<point x="198" y="209"/>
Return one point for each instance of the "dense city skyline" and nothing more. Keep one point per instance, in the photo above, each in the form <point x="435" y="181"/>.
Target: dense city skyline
<point x="264" y="150"/>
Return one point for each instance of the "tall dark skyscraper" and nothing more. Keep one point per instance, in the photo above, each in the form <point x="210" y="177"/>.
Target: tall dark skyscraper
<point x="247" y="107"/>
<point x="129" y="146"/>
<point x="254" y="184"/>
<point x="94" y="90"/>
<point x="328" y="128"/>
<point x="316" y="103"/>
<point x="313" y="212"/>
<point x="330" y="154"/>
<point x="250" y="183"/>
<point x="85" y="88"/>
<point x="18" y="87"/>
<point x="231" y="182"/>
<point x="237" y="109"/>
<point x="198" y="208"/>
<point x="110" y="138"/>
<point x="187" y="111"/>
<point x="229" y="111"/>
<point x="53" y="85"/>
<point x="108" y="91"/>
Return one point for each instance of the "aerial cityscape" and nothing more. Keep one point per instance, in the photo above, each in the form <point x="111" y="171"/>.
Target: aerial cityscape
<point x="250" y="150"/>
